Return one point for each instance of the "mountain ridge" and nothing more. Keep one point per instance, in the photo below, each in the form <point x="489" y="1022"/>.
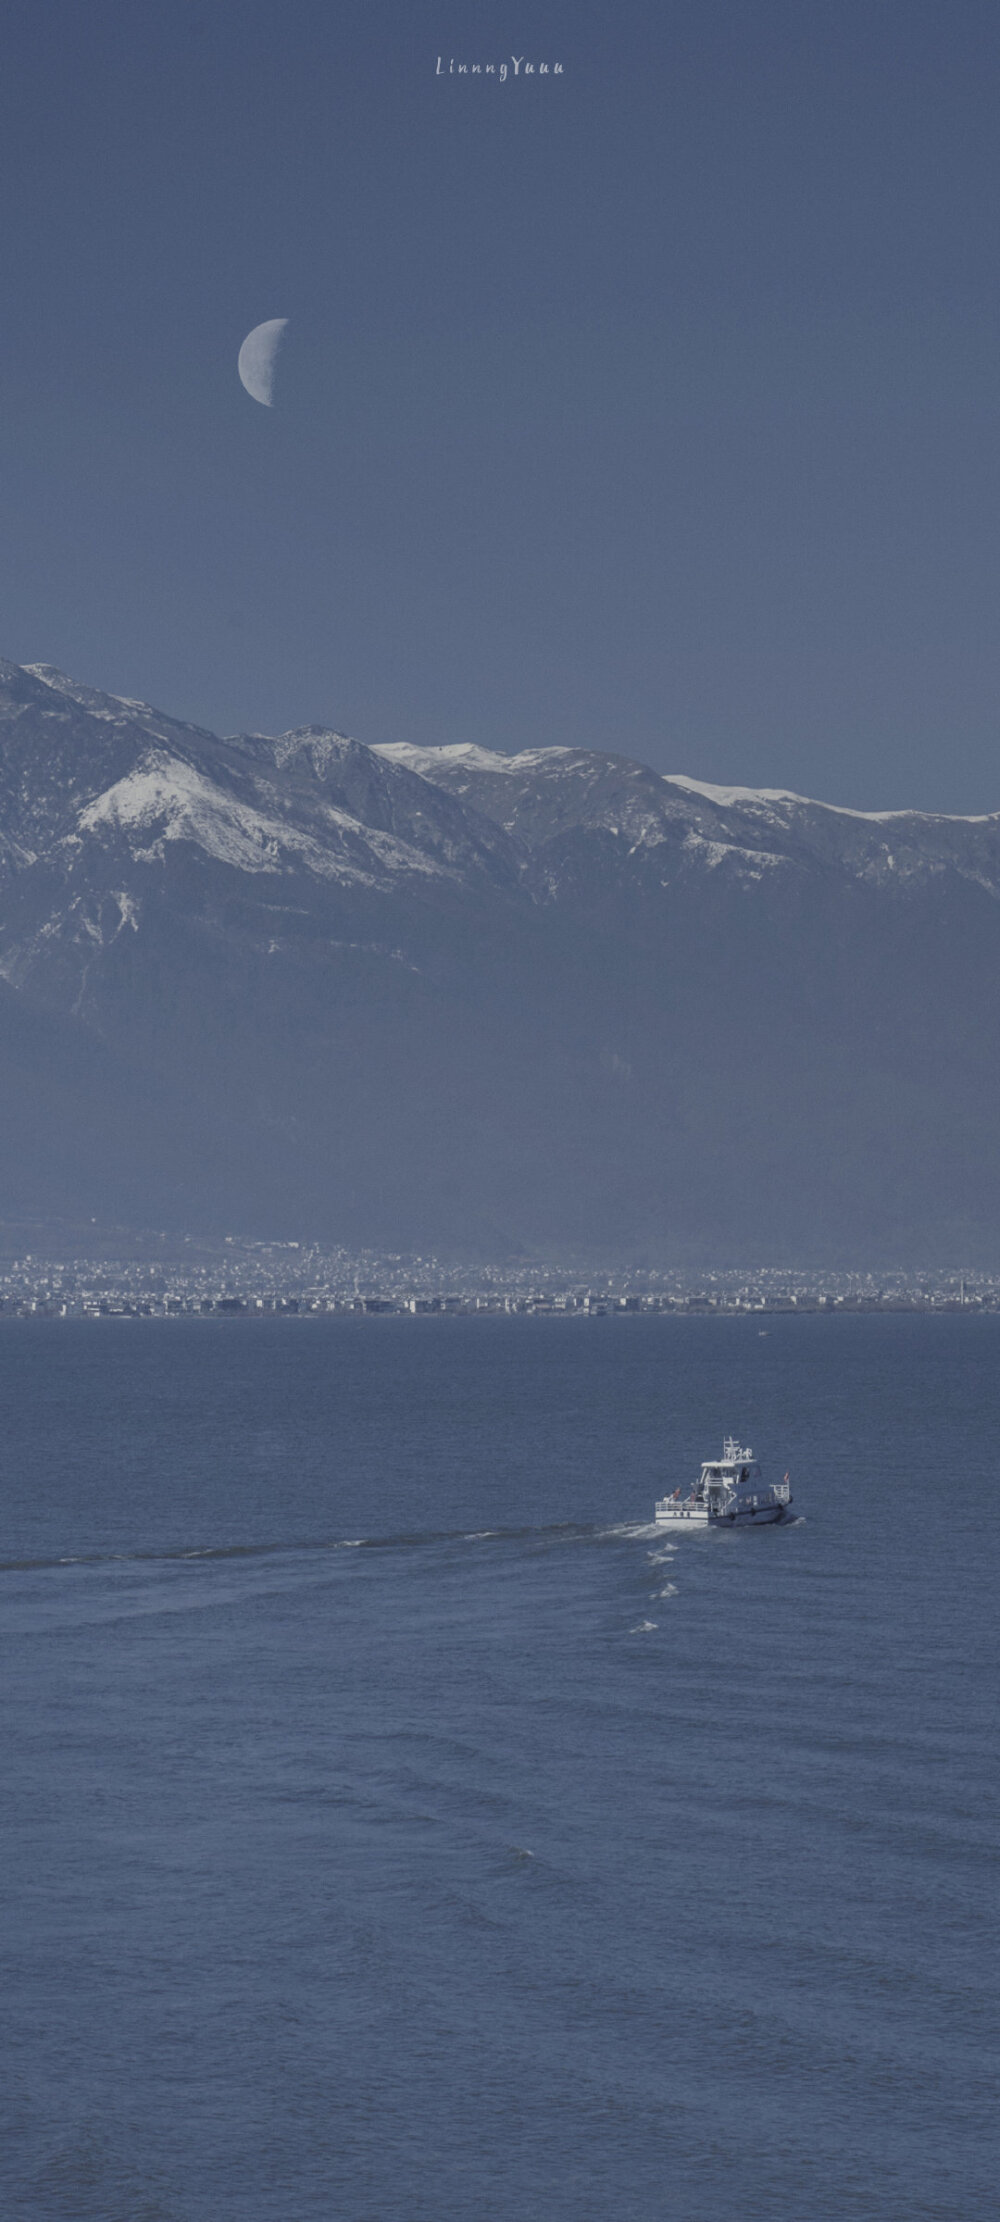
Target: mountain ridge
<point x="456" y="999"/>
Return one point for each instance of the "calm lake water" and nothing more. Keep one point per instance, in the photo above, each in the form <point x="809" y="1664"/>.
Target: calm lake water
<point x="395" y="1831"/>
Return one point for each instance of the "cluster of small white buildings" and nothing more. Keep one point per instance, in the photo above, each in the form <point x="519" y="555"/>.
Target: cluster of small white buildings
<point x="174" y="1279"/>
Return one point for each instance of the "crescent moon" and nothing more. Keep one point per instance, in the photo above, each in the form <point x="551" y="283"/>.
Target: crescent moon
<point x="258" y="358"/>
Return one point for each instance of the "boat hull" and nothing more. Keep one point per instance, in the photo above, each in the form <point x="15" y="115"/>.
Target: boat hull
<point x="697" y="1516"/>
<point x="761" y="1516"/>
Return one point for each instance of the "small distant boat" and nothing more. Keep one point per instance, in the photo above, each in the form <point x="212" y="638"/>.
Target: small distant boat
<point x="730" y="1492"/>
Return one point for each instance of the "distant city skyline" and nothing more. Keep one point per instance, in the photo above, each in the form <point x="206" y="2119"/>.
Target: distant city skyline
<point x="160" y="1276"/>
<point x="651" y="407"/>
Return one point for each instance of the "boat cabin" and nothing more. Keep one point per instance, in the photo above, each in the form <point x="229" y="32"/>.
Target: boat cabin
<point x="736" y="1469"/>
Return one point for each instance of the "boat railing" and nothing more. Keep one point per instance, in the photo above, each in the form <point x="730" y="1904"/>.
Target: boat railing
<point x="766" y="1492"/>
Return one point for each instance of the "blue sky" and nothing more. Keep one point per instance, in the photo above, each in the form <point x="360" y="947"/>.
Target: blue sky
<point x="652" y="407"/>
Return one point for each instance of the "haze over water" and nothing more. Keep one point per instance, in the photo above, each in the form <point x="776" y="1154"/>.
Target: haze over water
<point x="396" y="1830"/>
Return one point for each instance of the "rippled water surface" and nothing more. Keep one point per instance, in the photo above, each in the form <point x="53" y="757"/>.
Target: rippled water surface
<point x="396" y="1830"/>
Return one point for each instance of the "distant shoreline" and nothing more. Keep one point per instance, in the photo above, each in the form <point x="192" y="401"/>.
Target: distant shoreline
<point x="242" y="1312"/>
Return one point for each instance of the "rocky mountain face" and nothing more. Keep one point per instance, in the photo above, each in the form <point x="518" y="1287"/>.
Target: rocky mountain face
<point x="445" y="999"/>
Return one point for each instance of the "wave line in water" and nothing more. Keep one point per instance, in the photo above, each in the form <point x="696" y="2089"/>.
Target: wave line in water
<point x="567" y="1531"/>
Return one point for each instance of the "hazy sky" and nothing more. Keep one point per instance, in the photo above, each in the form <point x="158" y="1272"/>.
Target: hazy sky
<point x="654" y="406"/>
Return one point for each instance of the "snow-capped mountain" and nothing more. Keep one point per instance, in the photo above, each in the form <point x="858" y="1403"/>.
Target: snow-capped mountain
<point x="543" y="795"/>
<point x="86" y="770"/>
<point x="444" y="996"/>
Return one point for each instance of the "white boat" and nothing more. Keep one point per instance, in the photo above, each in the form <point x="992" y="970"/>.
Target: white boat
<point x="730" y="1492"/>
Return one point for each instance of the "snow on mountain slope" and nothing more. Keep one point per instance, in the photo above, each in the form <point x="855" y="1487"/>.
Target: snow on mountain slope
<point x="111" y="709"/>
<point x="166" y="800"/>
<point x="79" y="767"/>
<point x="886" y="847"/>
<point x="315" y="763"/>
<point x="544" y="794"/>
